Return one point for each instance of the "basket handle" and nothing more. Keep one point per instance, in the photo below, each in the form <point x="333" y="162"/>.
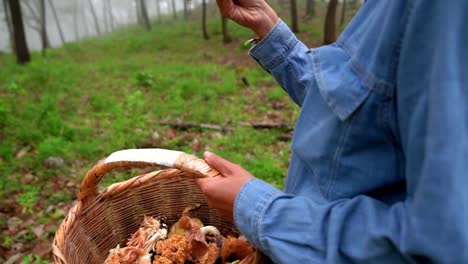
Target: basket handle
<point x="190" y="164"/>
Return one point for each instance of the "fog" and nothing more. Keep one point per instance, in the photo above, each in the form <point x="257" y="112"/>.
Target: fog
<point x="123" y="13"/>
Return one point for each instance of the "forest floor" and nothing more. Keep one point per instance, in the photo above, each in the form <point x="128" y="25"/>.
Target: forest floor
<point x="64" y="112"/>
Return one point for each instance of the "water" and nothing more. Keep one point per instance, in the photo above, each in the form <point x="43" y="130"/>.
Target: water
<point x="123" y="12"/>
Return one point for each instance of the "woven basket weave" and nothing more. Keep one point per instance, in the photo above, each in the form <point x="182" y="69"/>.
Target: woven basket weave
<point x="99" y="221"/>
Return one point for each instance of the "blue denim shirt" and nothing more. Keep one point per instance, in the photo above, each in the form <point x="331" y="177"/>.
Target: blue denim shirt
<point x="379" y="166"/>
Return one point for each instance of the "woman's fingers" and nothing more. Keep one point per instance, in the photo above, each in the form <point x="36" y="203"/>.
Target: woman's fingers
<point x="225" y="167"/>
<point x="226" y="7"/>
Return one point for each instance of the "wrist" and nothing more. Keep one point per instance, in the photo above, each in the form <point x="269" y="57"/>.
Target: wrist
<point x="267" y="23"/>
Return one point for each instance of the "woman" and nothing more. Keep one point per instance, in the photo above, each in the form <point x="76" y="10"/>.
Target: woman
<point x="379" y="169"/>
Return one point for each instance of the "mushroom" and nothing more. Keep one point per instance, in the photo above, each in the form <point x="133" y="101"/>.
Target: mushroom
<point x="128" y="255"/>
<point x="151" y="231"/>
<point x="212" y="235"/>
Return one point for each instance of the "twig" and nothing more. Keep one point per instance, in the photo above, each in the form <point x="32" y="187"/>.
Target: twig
<point x="188" y="125"/>
<point x="255" y="125"/>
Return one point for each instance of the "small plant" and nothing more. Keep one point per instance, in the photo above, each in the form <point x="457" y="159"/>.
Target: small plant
<point x="7" y="241"/>
<point x="145" y="79"/>
<point x="52" y="146"/>
<point x="29" y="198"/>
<point x="33" y="259"/>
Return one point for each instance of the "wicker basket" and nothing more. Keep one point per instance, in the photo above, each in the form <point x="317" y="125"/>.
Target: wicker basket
<point x="99" y="221"/>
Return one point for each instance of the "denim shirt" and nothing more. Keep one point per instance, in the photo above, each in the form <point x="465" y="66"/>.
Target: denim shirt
<point x="379" y="166"/>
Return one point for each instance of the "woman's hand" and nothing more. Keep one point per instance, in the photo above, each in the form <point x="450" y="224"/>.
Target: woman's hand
<point x="254" y="14"/>
<point x="222" y="191"/>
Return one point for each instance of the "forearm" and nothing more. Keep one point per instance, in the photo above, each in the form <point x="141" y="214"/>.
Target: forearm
<point x="294" y="229"/>
<point x="267" y="21"/>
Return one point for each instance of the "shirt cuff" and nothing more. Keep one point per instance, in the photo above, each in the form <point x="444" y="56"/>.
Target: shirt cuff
<point x="251" y="202"/>
<point x="273" y="48"/>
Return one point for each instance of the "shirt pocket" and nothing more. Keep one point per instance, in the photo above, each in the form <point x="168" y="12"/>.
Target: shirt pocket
<point x="340" y="87"/>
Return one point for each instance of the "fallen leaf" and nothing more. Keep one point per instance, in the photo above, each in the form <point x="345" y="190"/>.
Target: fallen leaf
<point x="38" y="230"/>
<point x="28" y="177"/>
<point x="54" y="162"/>
<point x="14" y="259"/>
<point x="14" y="223"/>
<point x="22" y="152"/>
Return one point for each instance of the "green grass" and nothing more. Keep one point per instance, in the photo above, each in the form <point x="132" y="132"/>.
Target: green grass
<point x="87" y="99"/>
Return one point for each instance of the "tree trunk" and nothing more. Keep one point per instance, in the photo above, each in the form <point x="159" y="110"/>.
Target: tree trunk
<point x="158" y="11"/>
<point x="185" y="9"/>
<point x="110" y="14"/>
<point x="21" y="47"/>
<point x="104" y="16"/>
<point x="59" y="27"/>
<point x="205" y="31"/>
<point x="8" y="23"/>
<point x="93" y="12"/>
<point x="43" y="26"/>
<point x="310" y="8"/>
<point x="330" y="28"/>
<point x="295" y="24"/>
<point x="84" y="19"/>
<point x="174" y="13"/>
<point x="138" y="12"/>
<point x="75" y="19"/>
<point x="32" y="10"/>
<point x="144" y="14"/>
<point x="226" y="37"/>
<point x="343" y="13"/>
<point x="37" y="17"/>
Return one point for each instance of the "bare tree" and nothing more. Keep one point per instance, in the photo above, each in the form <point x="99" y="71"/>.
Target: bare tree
<point x="110" y="14"/>
<point x="205" y="31"/>
<point x="8" y="23"/>
<point x="105" y="16"/>
<point x="21" y="47"/>
<point x="93" y="12"/>
<point x="294" y="21"/>
<point x="82" y="12"/>
<point x="330" y="27"/>
<point x="158" y="10"/>
<point x="343" y="13"/>
<point x="174" y="13"/>
<point x="310" y="8"/>
<point x="45" y="43"/>
<point x="138" y="12"/>
<point x="185" y="9"/>
<point x="57" y="22"/>
<point x="144" y="14"/>
<point x="35" y="20"/>
<point x="226" y="37"/>
<point x="76" y="9"/>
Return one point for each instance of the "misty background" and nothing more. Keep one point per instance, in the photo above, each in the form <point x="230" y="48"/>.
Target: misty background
<point x="123" y="12"/>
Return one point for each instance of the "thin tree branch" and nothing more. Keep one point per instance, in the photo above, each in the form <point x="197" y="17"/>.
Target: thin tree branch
<point x="181" y="125"/>
<point x="54" y="12"/>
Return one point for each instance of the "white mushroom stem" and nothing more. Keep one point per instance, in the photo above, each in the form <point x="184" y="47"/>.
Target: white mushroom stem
<point x="153" y="239"/>
<point x="210" y="230"/>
